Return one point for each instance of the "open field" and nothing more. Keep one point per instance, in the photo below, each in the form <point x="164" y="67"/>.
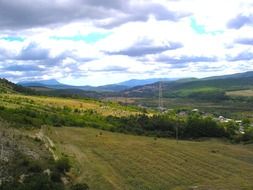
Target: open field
<point x="108" y="160"/>
<point x="246" y="93"/>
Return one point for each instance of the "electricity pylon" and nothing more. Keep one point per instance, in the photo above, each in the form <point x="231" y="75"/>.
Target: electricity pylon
<point x="160" y="97"/>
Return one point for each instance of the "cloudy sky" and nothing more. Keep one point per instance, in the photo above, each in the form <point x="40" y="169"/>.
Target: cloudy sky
<point x="99" y="42"/>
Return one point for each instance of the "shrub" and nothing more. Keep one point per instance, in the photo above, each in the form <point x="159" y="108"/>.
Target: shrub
<point x="63" y="165"/>
<point x="79" y="186"/>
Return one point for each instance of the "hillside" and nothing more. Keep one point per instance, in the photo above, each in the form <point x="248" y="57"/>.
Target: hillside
<point x="116" y="161"/>
<point x="9" y="87"/>
<point x="191" y="88"/>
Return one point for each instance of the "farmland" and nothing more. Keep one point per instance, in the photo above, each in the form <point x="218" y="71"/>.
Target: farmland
<point x="112" y="146"/>
<point x="108" y="160"/>
<point x="244" y="93"/>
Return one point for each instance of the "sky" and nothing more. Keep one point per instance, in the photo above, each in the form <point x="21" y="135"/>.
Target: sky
<point x="97" y="42"/>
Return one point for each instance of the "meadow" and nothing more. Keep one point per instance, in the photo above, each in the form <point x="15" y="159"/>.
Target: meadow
<point x="106" y="160"/>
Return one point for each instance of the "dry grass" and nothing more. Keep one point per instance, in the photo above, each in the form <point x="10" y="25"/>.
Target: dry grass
<point x="103" y="108"/>
<point x="116" y="161"/>
<point x="240" y="93"/>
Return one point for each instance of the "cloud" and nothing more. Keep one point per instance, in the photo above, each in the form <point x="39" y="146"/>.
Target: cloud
<point x="27" y="14"/>
<point x="244" y="41"/>
<point x="240" y="21"/>
<point x="142" y="12"/>
<point x="243" y="56"/>
<point x="98" y="42"/>
<point x="26" y="68"/>
<point x="145" y="47"/>
<point x="184" y="61"/>
<point x="33" y="52"/>
<point x="110" y="69"/>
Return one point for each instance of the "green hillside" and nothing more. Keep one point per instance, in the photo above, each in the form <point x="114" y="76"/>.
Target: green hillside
<point x="203" y="89"/>
<point x="9" y="87"/>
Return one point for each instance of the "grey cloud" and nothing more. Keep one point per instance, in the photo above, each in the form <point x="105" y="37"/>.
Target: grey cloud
<point x="208" y="68"/>
<point x="245" y="41"/>
<point x="26" y="68"/>
<point x="33" y="52"/>
<point x="243" y="56"/>
<point x="184" y="61"/>
<point x="27" y="13"/>
<point x="23" y="14"/>
<point x="142" y="13"/>
<point x="240" y="21"/>
<point x="3" y="54"/>
<point x="34" y="61"/>
<point x="145" y="47"/>
<point x="111" y="69"/>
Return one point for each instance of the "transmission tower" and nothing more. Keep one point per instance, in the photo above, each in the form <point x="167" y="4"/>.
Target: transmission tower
<point x="160" y="97"/>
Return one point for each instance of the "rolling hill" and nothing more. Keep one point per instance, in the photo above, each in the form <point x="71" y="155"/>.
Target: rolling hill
<point x="193" y="88"/>
<point x="54" y="84"/>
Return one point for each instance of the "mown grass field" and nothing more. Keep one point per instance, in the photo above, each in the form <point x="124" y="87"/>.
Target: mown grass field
<point x="109" y="161"/>
<point x="245" y="93"/>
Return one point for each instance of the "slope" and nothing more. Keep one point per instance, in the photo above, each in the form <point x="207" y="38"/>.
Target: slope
<point x="9" y="87"/>
<point x="191" y="88"/>
<point x="116" y="161"/>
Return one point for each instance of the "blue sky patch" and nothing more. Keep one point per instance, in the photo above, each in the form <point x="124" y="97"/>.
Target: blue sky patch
<point x="90" y="38"/>
<point x="13" y="38"/>
<point x="200" y="29"/>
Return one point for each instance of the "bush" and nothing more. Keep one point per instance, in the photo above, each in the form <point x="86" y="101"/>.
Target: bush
<point x="79" y="186"/>
<point x="63" y="165"/>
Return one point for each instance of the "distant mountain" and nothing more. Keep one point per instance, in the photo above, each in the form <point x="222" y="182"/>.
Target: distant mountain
<point x="149" y="86"/>
<point x="54" y="84"/>
<point x="140" y="82"/>
<point x="51" y="82"/>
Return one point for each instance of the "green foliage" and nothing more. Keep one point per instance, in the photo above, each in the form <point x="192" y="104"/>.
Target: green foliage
<point x="32" y="182"/>
<point x="197" y="126"/>
<point x="165" y="125"/>
<point x="79" y="186"/>
<point x="63" y="165"/>
<point x="9" y="87"/>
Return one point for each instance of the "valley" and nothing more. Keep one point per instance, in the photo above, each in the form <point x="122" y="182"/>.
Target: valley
<point x="120" y="140"/>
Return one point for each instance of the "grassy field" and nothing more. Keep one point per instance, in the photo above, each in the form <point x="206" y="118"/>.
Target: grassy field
<point x="108" y="160"/>
<point x="42" y="102"/>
